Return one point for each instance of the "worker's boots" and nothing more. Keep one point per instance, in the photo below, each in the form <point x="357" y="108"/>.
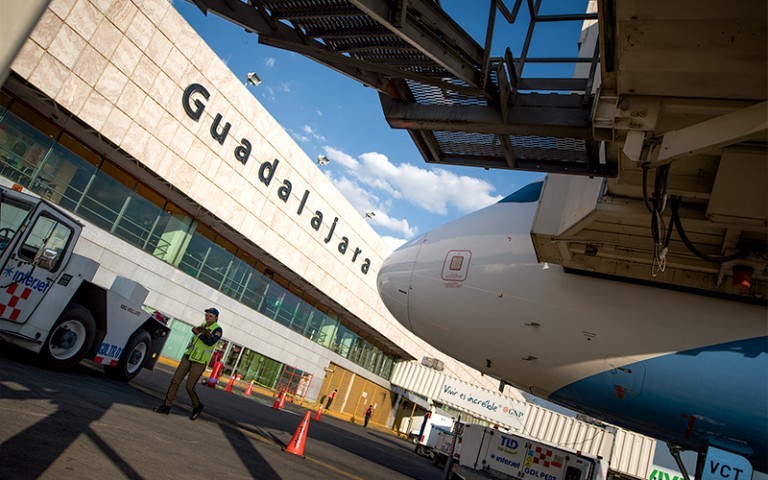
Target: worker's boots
<point x="196" y="412"/>
<point x="162" y="409"/>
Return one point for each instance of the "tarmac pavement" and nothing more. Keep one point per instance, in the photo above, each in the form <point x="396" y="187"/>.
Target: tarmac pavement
<point x="81" y="424"/>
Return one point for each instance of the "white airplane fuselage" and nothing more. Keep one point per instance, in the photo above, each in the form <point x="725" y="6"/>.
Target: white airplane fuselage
<point x="669" y="364"/>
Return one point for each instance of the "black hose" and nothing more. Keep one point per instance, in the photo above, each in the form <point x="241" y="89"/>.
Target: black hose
<point x="645" y="189"/>
<point x="657" y="208"/>
<point x="679" y="226"/>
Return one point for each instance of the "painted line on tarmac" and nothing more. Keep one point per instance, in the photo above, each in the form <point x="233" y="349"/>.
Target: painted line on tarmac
<point x="250" y="434"/>
<point x="334" y="469"/>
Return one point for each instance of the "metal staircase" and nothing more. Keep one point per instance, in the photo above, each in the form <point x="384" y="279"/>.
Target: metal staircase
<point x="460" y="105"/>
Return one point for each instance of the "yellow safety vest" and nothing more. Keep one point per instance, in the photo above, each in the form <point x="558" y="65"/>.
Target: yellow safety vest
<point x="198" y="351"/>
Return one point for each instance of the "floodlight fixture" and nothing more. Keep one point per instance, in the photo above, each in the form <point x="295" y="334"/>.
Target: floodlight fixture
<point x="322" y="160"/>
<point x="253" y="79"/>
<point x="370" y="214"/>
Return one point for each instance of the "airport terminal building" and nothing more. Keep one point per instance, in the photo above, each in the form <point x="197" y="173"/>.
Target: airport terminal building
<point x="120" y="113"/>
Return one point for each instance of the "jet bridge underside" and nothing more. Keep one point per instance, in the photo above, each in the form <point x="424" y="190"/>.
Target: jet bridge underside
<point x="460" y="105"/>
<point x="543" y="133"/>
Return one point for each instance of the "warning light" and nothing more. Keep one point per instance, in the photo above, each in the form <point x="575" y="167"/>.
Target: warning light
<point x="742" y="277"/>
<point x="17" y="187"/>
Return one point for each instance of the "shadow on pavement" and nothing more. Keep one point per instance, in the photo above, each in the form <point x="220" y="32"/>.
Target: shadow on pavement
<point x="79" y="403"/>
<point x="76" y="406"/>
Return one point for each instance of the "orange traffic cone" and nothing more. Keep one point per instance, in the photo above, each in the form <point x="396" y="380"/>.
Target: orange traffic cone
<point x="296" y="445"/>
<point x="319" y="412"/>
<point x="249" y="390"/>
<point x="279" y="401"/>
<point x="229" y="385"/>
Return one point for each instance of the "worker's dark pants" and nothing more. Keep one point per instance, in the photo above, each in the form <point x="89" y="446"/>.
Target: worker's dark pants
<point x="195" y="370"/>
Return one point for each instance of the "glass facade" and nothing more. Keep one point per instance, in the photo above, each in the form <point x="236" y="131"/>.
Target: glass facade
<point x="46" y="160"/>
<point x="262" y="370"/>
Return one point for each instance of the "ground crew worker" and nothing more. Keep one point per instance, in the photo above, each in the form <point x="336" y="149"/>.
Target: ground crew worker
<point x="368" y="414"/>
<point x="193" y="363"/>
<point x="331" y="396"/>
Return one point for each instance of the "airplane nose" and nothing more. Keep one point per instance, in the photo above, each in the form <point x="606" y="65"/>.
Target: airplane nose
<point x="394" y="281"/>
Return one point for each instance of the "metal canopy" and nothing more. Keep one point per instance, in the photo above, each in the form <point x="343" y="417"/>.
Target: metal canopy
<point x="460" y="105"/>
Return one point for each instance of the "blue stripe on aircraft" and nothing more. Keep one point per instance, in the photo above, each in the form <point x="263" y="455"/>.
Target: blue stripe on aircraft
<point x="696" y="397"/>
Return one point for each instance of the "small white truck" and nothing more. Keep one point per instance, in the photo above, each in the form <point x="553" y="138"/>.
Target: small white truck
<point x="433" y="423"/>
<point x="49" y="303"/>
<point x="484" y="452"/>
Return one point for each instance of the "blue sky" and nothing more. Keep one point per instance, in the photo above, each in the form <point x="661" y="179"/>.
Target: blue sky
<point x="377" y="168"/>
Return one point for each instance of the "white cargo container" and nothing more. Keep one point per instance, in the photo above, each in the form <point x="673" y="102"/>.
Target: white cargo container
<point x="483" y="452"/>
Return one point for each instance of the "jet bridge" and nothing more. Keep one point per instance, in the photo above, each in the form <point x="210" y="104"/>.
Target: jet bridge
<point x="460" y="105"/>
<point x="664" y="105"/>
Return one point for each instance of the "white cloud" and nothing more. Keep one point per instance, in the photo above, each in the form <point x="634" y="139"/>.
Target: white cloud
<point x="342" y="158"/>
<point x="393" y="242"/>
<point x="372" y="183"/>
<point x="364" y="200"/>
<point x="269" y="62"/>
<point x="298" y="136"/>
<point x="382" y="219"/>
<point x="309" y="131"/>
<point x="432" y="190"/>
<point x="270" y="93"/>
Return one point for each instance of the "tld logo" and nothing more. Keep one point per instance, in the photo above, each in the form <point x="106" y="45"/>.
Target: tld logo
<point x="508" y="442"/>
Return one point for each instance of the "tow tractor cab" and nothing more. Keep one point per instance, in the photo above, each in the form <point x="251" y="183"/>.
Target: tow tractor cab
<point x="483" y="452"/>
<point x="49" y="304"/>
